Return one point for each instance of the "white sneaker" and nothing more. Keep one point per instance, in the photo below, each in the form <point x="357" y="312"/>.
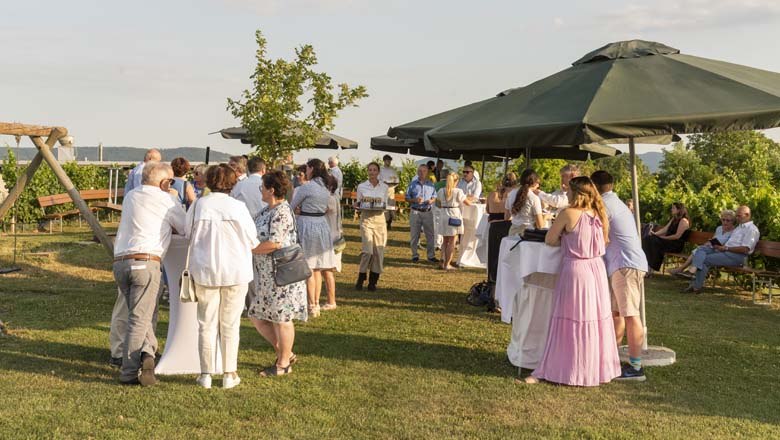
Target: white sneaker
<point x="204" y="380"/>
<point x="229" y="382"/>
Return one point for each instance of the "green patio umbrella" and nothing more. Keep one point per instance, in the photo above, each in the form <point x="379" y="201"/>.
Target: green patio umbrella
<point x="623" y="90"/>
<point x="626" y="90"/>
<point x="326" y="140"/>
<point x="620" y="92"/>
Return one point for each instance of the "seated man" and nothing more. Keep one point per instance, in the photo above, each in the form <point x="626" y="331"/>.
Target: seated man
<point x="732" y="253"/>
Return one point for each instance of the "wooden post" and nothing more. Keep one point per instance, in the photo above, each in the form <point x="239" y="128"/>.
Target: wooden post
<point x="25" y="178"/>
<point x="74" y="194"/>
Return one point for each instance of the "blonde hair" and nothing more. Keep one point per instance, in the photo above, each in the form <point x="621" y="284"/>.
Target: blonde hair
<point x="452" y="181"/>
<point x="585" y="196"/>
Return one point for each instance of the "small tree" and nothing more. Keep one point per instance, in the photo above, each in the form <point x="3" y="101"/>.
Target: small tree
<point x="289" y="104"/>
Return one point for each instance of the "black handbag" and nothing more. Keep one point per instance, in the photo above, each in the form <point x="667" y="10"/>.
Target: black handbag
<point x="456" y="222"/>
<point x="289" y="262"/>
<point x="535" y="235"/>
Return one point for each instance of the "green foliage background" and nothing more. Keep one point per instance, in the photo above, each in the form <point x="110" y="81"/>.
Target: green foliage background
<point x="44" y="183"/>
<point x="711" y="173"/>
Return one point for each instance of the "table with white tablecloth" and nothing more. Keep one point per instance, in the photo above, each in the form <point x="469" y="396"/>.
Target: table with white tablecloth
<point x="527" y="273"/>
<point x="181" y="345"/>
<point x="469" y="242"/>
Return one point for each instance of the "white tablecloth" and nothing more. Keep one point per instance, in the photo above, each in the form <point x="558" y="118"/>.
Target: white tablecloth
<point x="469" y="243"/>
<point x="526" y="279"/>
<point x="181" y="346"/>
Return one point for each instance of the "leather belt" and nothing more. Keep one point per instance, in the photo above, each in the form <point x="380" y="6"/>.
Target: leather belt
<point x="312" y="214"/>
<point x="138" y="257"/>
<point x="421" y="210"/>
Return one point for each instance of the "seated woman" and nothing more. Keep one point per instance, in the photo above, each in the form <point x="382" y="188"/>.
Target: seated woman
<point x="728" y="219"/>
<point x="670" y="238"/>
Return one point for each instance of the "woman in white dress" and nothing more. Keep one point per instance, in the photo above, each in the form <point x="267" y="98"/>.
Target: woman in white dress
<point x="524" y="206"/>
<point x="450" y="199"/>
<point x="275" y="307"/>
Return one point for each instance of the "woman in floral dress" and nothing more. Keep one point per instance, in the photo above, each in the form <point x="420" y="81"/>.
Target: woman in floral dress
<point x="275" y="307"/>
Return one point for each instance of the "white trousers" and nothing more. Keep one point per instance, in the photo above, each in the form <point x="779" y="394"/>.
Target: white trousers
<point x="219" y="310"/>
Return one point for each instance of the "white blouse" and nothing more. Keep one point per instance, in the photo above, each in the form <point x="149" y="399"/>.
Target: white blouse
<point x="221" y="241"/>
<point x="367" y="190"/>
<point x="528" y="212"/>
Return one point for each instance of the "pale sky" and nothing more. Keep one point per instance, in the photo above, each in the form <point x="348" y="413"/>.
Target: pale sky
<point x="157" y="73"/>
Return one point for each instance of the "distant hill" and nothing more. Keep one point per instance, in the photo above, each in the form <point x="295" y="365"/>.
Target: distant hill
<point x="652" y="159"/>
<point x="128" y="154"/>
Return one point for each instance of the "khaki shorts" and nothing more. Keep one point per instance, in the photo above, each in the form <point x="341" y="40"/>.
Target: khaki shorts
<point x="626" y="287"/>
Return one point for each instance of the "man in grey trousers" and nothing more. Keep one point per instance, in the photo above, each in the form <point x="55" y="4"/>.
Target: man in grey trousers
<point x="421" y="195"/>
<point x="149" y="216"/>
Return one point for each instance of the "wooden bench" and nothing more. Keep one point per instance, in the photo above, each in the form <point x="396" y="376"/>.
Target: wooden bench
<point x="760" y="278"/>
<point x="87" y="195"/>
<point x="695" y="238"/>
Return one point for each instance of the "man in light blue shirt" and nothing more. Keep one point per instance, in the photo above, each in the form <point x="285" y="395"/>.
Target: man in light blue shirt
<point x="626" y="266"/>
<point x="134" y="176"/>
<point x="421" y="195"/>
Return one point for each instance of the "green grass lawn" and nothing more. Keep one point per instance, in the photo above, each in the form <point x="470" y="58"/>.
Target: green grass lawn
<point x="412" y="360"/>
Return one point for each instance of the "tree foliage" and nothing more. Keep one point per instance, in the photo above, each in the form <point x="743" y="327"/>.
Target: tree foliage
<point x="289" y="103"/>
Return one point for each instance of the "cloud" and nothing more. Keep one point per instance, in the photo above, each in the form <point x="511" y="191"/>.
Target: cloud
<point x="281" y="7"/>
<point x="693" y="14"/>
<point x="558" y="22"/>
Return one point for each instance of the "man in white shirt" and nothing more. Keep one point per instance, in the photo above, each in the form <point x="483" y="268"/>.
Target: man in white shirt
<point x="335" y="171"/>
<point x="134" y="176"/>
<point x="248" y="190"/>
<point x="149" y="216"/>
<point x="732" y="253"/>
<point x="469" y="164"/>
<point x="389" y="176"/>
<point x="238" y="164"/>
<point x="558" y="200"/>
<point x="470" y="185"/>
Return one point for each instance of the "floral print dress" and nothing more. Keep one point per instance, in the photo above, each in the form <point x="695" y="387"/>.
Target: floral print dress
<point x="276" y="303"/>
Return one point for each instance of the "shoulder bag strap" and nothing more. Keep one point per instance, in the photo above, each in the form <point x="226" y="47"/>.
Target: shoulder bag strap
<point x="192" y="230"/>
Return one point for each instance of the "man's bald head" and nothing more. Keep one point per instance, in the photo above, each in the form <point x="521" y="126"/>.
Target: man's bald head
<point x="152" y="155"/>
<point x="743" y="214"/>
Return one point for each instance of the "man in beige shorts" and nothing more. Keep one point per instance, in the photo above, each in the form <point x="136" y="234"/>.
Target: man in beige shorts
<point x="626" y="265"/>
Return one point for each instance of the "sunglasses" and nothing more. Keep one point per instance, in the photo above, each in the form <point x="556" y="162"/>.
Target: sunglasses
<point x="467" y="172"/>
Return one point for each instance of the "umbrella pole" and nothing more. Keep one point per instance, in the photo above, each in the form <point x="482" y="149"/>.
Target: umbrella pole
<point x="635" y="196"/>
<point x="527" y="158"/>
<point x="483" y="167"/>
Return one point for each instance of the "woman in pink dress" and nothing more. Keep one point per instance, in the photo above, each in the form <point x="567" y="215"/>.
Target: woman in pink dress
<point x="580" y="348"/>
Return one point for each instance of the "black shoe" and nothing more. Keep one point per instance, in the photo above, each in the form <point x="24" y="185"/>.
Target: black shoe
<point x="147" y="378"/>
<point x="373" y="277"/>
<point x="115" y="362"/>
<point x="629" y="373"/>
<point x="360" y="280"/>
<point x="415" y="259"/>
<point x="691" y="289"/>
<point x="433" y="260"/>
